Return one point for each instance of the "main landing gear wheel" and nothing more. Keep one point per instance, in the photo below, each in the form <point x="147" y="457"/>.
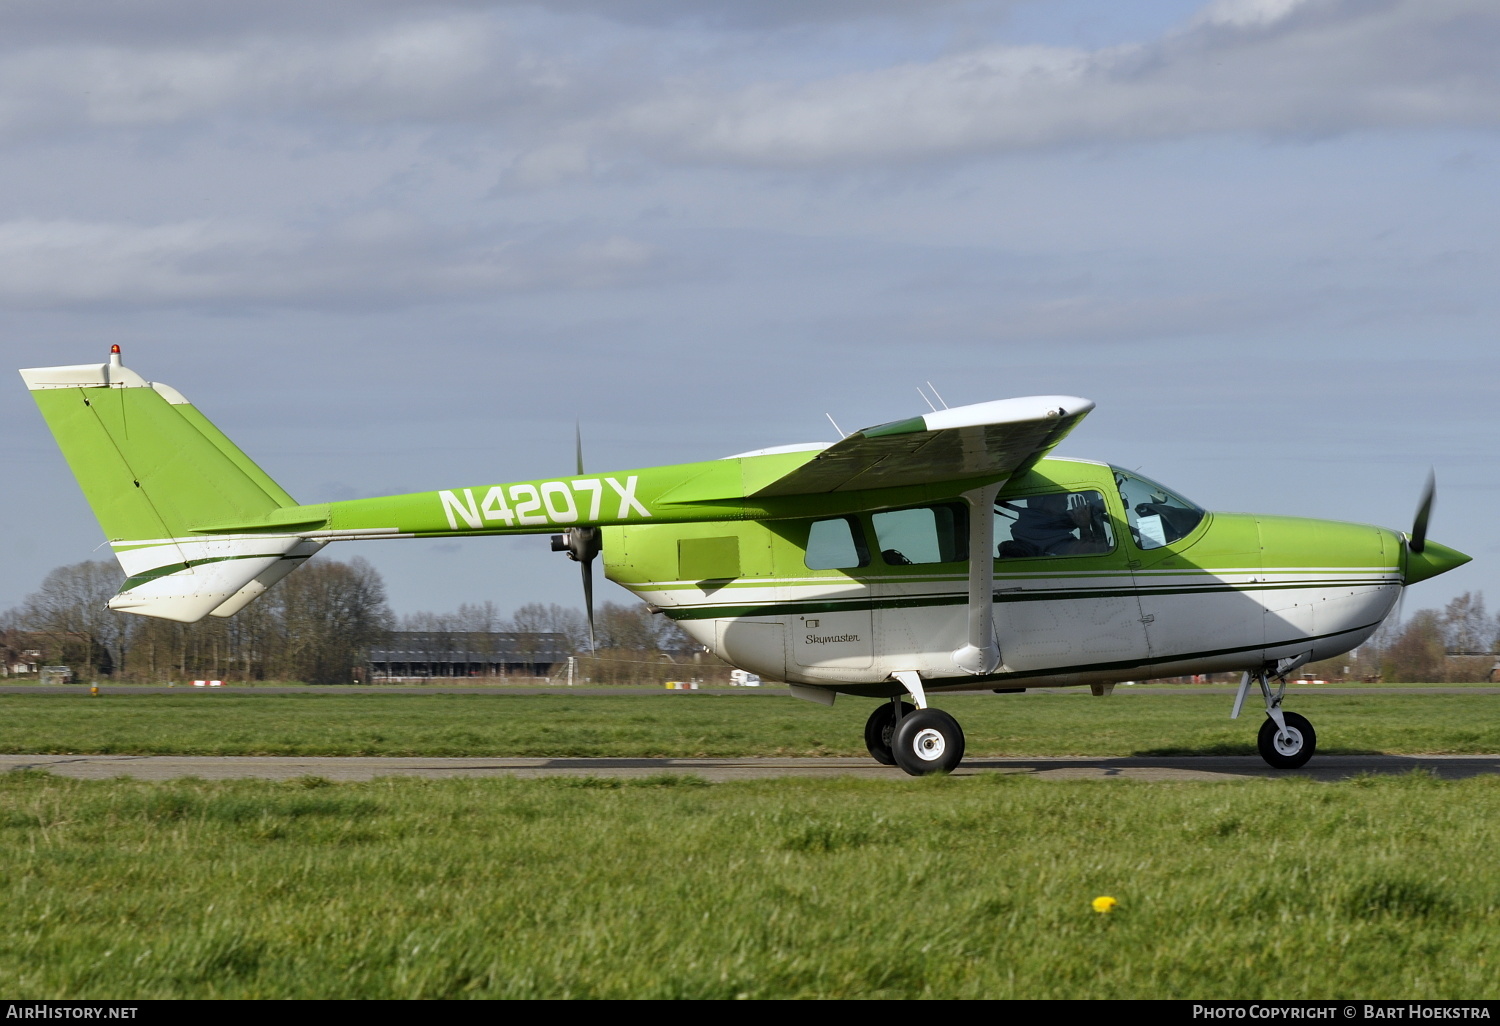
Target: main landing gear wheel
<point x="880" y="728"/>
<point x="928" y="741"/>
<point x="1289" y="749"/>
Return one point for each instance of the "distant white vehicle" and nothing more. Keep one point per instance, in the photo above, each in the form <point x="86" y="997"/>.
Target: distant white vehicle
<point x="743" y="679"/>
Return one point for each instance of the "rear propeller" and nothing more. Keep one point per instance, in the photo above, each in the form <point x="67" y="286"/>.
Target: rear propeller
<point x="582" y="544"/>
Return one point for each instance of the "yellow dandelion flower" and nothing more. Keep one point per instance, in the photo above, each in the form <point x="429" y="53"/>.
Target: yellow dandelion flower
<point x="1104" y="904"/>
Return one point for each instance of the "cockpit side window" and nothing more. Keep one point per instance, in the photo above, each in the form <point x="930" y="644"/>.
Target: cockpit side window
<point x="928" y="534"/>
<point x="836" y="544"/>
<point x="1054" y="524"/>
<point x="1156" y="516"/>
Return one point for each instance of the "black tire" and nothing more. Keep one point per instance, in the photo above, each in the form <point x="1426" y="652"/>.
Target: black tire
<point x="880" y="728"/>
<point x="928" y="741"/>
<point x="1291" y="751"/>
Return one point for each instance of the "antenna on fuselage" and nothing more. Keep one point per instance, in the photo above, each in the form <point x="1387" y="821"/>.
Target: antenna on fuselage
<point x="925" y="399"/>
<point x="939" y="397"/>
<point x="835" y="425"/>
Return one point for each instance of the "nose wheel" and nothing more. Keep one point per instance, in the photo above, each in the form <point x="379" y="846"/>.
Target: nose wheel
<point x="1286" y="740"/>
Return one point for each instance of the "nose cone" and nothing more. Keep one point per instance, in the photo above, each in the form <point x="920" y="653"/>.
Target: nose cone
<point x="1434" y="559"/>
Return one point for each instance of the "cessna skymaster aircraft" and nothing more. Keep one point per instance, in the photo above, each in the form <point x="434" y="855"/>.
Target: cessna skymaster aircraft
<point x="945" y="552"/>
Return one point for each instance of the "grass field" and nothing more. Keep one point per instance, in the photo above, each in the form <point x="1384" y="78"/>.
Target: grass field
<point x="689" y="725"/>
<point x="934" y="887"/>
<point x="673" y="887"/>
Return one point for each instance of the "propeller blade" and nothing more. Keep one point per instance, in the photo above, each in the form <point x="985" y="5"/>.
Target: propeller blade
<point x="582" y="544"/>
<point x="1417" y="541"/>
<point x="588" y="598"/>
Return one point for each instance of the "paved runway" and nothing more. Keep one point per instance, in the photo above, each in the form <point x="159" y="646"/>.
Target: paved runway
<point x="166" y="767"/>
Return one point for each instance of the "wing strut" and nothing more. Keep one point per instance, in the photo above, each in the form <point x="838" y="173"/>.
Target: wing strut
<point x="982" y="654"/>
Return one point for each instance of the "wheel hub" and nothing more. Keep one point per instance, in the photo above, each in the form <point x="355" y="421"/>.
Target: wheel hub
<point x="1289" y="741"/>
<point x="929" y="745"/>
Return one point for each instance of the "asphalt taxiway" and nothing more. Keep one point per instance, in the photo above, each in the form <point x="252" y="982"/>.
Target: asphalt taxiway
<point x="167" y="767"/>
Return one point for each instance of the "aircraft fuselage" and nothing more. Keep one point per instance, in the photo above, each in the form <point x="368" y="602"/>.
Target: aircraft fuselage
<point x="1234" y="591"/>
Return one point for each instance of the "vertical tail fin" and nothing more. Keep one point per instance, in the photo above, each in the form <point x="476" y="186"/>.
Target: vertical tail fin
<point x="153" y="468"/>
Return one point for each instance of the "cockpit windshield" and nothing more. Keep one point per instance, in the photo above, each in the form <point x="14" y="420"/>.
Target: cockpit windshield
<point x="1156" y="516"/>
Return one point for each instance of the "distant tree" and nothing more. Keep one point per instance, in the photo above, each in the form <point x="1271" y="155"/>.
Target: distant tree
<point x="535" y="618"/>
<point x="1467" y="628"/>
<point x="479" y="622"/>
<point x="1417" y="655"/>
<point x="71" y="613"/>
<point x="626" y="627"/>
<point x="332" y="613"/>
<point x="479" y="617"/>
<point x="14" y="642"/>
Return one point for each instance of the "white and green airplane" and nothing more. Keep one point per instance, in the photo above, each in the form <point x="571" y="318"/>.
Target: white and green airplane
<point x="945" y="552"/>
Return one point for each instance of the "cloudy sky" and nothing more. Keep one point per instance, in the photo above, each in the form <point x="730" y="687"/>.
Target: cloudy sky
<point x="394" y="245"/>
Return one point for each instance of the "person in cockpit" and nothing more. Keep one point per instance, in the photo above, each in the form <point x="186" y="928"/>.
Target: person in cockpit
<point x="1060" y="524"/>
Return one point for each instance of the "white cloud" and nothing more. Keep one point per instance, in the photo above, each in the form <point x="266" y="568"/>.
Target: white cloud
<point x="376" y="260"/>
<point x="1269" y="67"/>
<point x="547" y="165"/>
<point x="429" y="70"/>
<point x="152" y="21"/>
<point x="568" y="101"/>
<point x="1242" y="13"/>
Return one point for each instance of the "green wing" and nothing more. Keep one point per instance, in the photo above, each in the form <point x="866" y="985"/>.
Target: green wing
<point x="996" y="440"/>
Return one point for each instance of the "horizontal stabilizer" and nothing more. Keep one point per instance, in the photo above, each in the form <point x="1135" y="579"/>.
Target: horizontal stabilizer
<point x="213" y="574"/>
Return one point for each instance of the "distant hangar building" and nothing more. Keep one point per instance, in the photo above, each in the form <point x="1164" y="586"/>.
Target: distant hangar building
<point x="423" y="655"/>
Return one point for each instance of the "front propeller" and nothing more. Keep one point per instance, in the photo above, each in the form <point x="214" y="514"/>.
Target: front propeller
<point x="1417" y="540"/>
<point x="1422" y="558"/>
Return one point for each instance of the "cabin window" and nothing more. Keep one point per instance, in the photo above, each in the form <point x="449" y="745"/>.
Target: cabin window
<point x="1156" y="516"/>
<point x="837" y="544"/>
<point x="1055" y="524"/>
<point x="928" y="534"/>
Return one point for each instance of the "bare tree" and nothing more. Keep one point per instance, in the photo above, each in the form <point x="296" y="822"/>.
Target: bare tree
<point x="331" y="614"/>
<point x="71" y="613"/>
<point x="1418" y="652"/>
<point x="534" y="619"/>
<point x="1467" y="628"/>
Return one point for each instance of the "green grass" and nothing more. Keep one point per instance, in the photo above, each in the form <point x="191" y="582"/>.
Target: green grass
<point x="938" y="887"/>
<point x="703" y="725"/>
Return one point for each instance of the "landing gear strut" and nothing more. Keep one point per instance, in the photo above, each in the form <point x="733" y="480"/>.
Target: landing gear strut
<point x="1286" y="740"/>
